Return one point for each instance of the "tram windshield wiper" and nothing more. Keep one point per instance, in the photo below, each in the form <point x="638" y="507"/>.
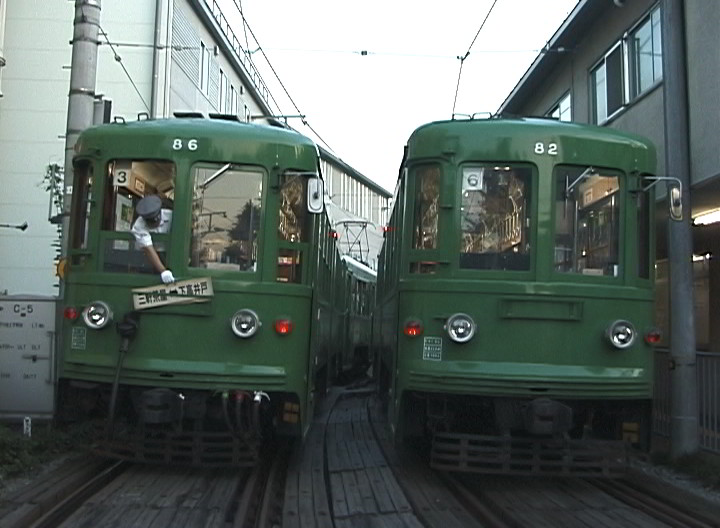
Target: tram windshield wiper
<point x="222" y="170"/>
<point x="587" y="173"/>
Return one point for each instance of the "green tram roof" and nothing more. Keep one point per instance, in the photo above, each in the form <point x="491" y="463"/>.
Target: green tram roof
<point x="499" y="139"/>
<point x="217" y="138"/>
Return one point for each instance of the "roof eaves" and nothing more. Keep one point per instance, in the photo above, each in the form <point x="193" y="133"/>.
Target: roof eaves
<point x="562" y="40"/>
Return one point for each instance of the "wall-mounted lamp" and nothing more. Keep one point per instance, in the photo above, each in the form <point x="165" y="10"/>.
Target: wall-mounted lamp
<point x="710" y="217"/>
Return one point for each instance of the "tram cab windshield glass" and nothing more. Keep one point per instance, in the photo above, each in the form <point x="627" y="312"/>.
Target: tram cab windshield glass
<point x="81" y="200"/>
<point x="127" y="182"/>
<point x="587" y="221"/>
<point x="495" y="217"/>
<point x="226" y="217"/>
<point x="293" y="228"/>
<point x="425" y="214"/>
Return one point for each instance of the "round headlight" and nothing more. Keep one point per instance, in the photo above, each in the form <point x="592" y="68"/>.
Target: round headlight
<point x="97" y="315"/>
<point x="245" y="323"/>
<point x="621" y="334"/>
<point x="460" y="327"/>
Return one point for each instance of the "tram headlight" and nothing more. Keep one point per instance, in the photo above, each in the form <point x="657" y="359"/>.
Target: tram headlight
<point x="460" y="327"/>
<point x="245" y="323"/>
<point x="621" y="334"/>
<point x="97" y="315"/>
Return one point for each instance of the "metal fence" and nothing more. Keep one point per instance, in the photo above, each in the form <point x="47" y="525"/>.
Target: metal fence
<point x="708" y="380"/>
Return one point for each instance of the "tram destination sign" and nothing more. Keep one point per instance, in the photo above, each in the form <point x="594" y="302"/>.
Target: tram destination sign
<point x="189" y="291"/>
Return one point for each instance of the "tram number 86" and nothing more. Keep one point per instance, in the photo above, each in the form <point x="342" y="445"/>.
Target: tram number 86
<point x="551" y="148"/>
<point x="178" y="144"/>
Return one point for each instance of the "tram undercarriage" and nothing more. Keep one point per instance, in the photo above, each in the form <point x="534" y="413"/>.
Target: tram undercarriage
<point x="540" y="436"/>
<point x="192" y="427"/>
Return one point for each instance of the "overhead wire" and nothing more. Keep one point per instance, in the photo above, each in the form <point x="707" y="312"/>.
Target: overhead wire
<point x="282" y="85"/>
<point x="127" y="73"/>
<point x="467" y="53"/>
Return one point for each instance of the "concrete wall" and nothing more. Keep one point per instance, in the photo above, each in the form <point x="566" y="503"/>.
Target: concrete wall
<point x="33" y="111"/>
<point x="702" y="20"/>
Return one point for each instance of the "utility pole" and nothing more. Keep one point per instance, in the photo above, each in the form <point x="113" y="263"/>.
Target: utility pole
<point x="683" y="378"/>
<point x="81" y="100"/>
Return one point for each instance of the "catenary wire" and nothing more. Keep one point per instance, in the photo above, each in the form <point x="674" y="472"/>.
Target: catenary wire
<point x="127" y="73"/>
<point x="462" y="59"/>
<point x="282" y="85"/>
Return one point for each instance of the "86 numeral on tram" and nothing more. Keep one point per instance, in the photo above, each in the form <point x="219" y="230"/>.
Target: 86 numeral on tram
<point x="179" y="144"/>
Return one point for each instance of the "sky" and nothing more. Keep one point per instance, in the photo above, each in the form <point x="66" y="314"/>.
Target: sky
<point x="364" y="106"/>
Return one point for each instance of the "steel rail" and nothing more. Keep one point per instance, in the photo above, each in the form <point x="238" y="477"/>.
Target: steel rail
<point x="71" y="503"/>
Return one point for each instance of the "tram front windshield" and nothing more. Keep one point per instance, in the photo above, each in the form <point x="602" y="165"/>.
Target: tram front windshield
<point x="495" y="217"/>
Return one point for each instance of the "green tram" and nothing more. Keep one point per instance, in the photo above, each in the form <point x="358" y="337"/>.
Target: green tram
<point x="202" y="369"/>
<point x="514" y="324"/>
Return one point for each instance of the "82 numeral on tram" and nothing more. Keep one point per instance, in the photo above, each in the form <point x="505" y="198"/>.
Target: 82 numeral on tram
<point x="550" y="149"/>
<point x="179" y="144"/>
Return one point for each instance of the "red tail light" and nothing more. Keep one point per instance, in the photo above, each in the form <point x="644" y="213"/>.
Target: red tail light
<point x="413" y="328"/>
<point x="283" y="326"/>
<point x="70" y="313"/>
<point x="653" y="337"/>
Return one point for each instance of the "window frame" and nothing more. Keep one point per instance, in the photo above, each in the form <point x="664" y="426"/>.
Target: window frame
<point x="530" y="190"/>
<point x="557" y="108"/>
<point x="634" y="90"/>
<point x="618" y="47"/>
<point x="622" y="210"/>
<point x="628" y="90"/>
<point x="258" y="266"/>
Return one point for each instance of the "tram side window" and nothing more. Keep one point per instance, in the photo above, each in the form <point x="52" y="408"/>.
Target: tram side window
<point x="81" y="200"/>
<point x="292" y="226"/>
<point x="127" y="182"/>
<point x="425" y="217"/>
<point x="587" y="218"/>
<point x="495" y="217"/>
<point x="226" y="218"/>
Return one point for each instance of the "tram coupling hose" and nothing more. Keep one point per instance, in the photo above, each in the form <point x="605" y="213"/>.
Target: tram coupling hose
<point x="127" y="328"/>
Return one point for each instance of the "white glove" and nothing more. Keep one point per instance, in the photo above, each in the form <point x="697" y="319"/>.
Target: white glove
<point x="167" y="276"/>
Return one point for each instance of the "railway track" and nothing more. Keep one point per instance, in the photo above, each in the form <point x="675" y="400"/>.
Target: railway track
<point x="346" y="474"/>
<point x="544" y="502"/>
<point x="127" y="495"/>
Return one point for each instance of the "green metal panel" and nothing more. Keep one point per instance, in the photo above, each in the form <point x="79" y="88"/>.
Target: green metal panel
<point x="192" y="346"/>
<point x="540" y="332"/>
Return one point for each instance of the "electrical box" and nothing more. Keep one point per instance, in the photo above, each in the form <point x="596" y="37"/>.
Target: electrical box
<point x="27" y="357"/>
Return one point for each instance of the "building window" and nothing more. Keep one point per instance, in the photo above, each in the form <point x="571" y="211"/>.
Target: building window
<point x="563" y="110"/>
<point x="639" y="56"/>
<point x="606" y="83"/>
<point x="233" y="101"/>
<point x="204" y="68"/>
<point x="223" y="92"/>
<point x="645" y="54"/>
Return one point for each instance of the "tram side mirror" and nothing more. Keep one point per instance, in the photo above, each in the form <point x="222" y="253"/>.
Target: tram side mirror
<point x="675" y="198"/>
<point x="315" y="199"/>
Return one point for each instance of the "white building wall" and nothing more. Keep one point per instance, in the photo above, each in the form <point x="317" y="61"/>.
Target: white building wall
<point x="3" y="3"/>
<point x="33" y="109"/>
<point x="35" y="42"/>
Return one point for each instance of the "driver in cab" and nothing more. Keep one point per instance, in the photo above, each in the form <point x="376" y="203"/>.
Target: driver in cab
<point x="152" y="217"/>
